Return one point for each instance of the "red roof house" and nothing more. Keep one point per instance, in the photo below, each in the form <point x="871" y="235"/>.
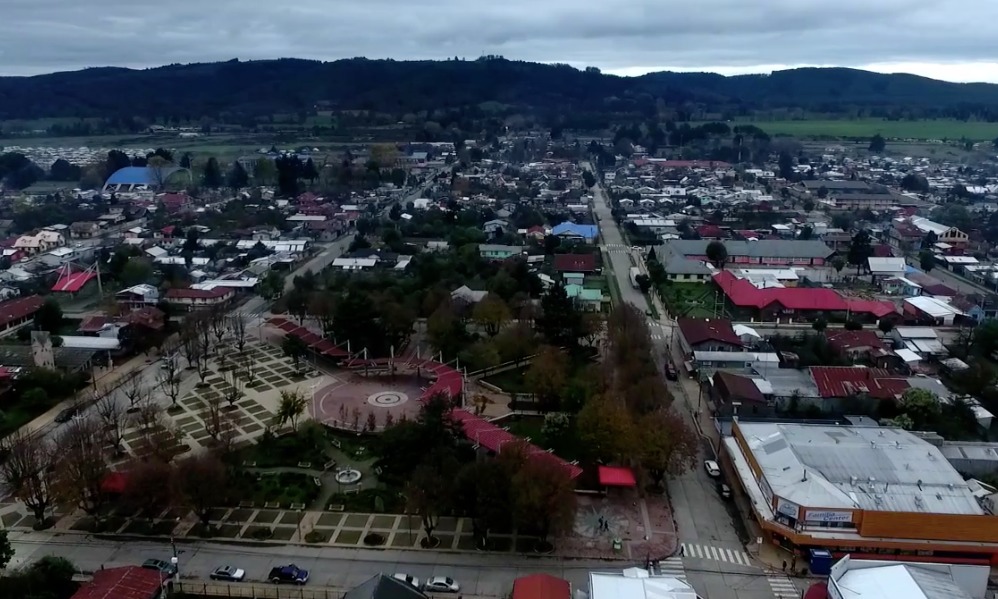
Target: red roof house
<point x="855" y="344"/>
<point x="584" y="263"/>
<point x="707" y="334"/>
<point x="18" y="311"/>
<point x="849" y="381"/>
<point x="129" y="582"/>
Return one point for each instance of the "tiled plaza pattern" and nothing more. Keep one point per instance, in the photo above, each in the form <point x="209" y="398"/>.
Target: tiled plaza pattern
<point x="253" y="413"/>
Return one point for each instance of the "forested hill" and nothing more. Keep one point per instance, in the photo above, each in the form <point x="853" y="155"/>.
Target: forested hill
<point x="234" y="89"/>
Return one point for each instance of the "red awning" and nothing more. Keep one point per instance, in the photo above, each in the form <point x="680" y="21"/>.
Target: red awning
<point x="541" y="586"/>
<point x="818" y="590"/>
<point x="616" y="476"/>
<point x="114" y="482"/>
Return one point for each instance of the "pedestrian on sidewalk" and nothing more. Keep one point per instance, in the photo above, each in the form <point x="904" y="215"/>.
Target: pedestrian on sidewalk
<point x="784" y="565"/>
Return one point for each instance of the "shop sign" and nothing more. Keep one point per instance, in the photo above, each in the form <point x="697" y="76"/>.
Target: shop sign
<point x="787" y="508"/>
<point x="828" y="516"/>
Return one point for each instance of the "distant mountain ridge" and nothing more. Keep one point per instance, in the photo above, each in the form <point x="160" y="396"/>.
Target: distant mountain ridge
<point x="236" y="88"/>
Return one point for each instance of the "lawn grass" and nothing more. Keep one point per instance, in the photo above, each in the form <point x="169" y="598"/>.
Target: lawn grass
<point x="944" y="129"/>
<point x="510" y="381"/>
<point x="695" y="300"/>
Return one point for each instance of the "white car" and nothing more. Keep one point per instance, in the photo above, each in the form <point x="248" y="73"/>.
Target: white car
<point x="230" y="573"/>
<point x="713" y="470"/>
<point x="442" y="584"/>
<point x="407" y="579"/>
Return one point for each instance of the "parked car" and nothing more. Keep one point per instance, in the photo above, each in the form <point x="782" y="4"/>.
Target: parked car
<point x="670" y="372"/>
<point x="290" y="574"/>
<point x="442" y="584"/>
<point x="724" y="490"/>
<point x="407" y="579"/>
<point x="230" y="573"/>
<point x="162" y="565"/>
<point x="713" y="470"/>
<point x="67" y="414"/>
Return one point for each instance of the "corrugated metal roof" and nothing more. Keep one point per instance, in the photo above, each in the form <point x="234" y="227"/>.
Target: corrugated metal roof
<point x="857" y="467"/>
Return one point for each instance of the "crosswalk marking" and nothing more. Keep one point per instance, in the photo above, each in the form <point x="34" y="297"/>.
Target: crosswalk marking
<point x="721" y="554"/>
<point x="783" y="588"/>
<point x="673" y="567"/>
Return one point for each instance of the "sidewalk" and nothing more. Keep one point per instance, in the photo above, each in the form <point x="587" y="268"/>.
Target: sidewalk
<point x="103" y="380"/>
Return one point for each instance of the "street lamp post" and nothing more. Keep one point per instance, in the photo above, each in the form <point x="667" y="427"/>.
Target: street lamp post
<point x="299" y="526"/>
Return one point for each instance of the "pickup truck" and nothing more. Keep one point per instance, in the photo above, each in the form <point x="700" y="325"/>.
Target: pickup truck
<point x="290" y="574"/>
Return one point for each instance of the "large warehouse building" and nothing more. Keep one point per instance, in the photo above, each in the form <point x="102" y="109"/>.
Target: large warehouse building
<point x="866" y="491"/>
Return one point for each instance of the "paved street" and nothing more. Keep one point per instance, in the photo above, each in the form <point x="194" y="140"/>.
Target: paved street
<point x="714" y="556"/>
<point x="478" y="574"/>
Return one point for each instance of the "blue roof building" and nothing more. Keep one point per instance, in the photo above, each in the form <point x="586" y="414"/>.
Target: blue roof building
<point x="569" y="230"/>
<point x="125" y="179"/>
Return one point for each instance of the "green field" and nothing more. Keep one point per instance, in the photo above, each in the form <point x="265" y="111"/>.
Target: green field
<point x="928" y="129"/>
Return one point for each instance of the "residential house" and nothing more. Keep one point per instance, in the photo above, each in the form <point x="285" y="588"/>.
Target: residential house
<point x="18" y="312"/>
<point x="189" y="299"/>
<point x="951" y="237"/>
<point x="571" y="231"/>
<point x="924" y="341"/>
<point x="930" y="311"/>
<point x="588" y="300"/>
<point x="905" y="236"/>
<point x="42" y="241"/>
<point x="575" y="263"/>
<point x="881" y="268"/>
<point x="537" y="232"/>
<point x="175" y="202"/>
<point x="137" y="297"/>
<point x="702" y="334"/>
<point x="681" y="270"/>
<point x="499" y="252"/>
<point x="84" y="230"/>
<point x="495" y="227"/>
<point x="468" y="295"/>
<point x="902" y="286"/>
<point x="856" y="346"/>
<point x="733" y="393"/>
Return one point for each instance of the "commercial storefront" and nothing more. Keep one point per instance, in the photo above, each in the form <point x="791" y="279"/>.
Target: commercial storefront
<point x="859" y="490"/>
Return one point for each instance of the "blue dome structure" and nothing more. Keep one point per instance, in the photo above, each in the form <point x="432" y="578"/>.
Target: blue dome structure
<point x="125" y="179"/>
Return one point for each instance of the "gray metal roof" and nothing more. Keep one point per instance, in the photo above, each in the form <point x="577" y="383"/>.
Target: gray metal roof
<point x="764" y="248"/>
<point x="682" y="266"/>
<point x="858" y="467"/>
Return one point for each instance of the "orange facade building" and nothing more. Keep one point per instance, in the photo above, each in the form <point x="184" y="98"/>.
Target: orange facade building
<point x="865" y="491"/>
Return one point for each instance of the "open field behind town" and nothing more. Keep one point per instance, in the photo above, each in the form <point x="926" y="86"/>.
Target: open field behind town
<point x="924" y="129"/>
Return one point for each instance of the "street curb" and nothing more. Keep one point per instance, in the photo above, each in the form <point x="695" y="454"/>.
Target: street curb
<point x="263" y="544"/>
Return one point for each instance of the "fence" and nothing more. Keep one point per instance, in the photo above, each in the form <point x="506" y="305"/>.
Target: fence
<point x="254" y="591"/>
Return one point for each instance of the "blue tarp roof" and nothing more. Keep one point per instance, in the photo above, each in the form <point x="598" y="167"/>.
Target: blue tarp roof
<point x="586" y="231"/>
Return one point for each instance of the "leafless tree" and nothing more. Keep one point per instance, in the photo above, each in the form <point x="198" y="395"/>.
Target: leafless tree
<point x="233" y="387"/>
<point x="189" y="344"/>
<point x="237" y="324"/>
<point x="248" y="369"/>
<point x="148" y="415"/>
<point x="113" y="418"/>
<point x="218" y="324"/>
<point x="134" y="391"/>
<point x="212" y="415"/>
<point x="27" y="471"/>
<point x="81" y="465"/>
<point x="168" y="379"/>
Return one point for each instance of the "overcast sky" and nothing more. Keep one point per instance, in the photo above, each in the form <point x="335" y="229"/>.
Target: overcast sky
<point x="945" y="39"/>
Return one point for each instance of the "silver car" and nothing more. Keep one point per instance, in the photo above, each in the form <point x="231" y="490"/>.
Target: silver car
<point x="442" y="584"/>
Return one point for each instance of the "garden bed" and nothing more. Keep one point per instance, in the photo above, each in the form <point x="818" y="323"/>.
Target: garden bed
<point x="284" y="488"/>
<point x="366" y="501"/>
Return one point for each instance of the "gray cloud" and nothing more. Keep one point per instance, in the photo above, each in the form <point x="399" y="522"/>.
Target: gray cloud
<point x="38" y="36"/>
